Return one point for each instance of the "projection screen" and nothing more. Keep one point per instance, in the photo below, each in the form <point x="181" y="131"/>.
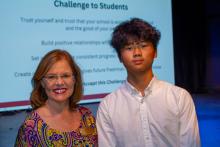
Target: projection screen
<point x="29" y="29"/>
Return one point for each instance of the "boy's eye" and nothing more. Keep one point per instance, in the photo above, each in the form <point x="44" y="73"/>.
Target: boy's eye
<point x="136" y="45"/>
<point x="129" y="48"/>
<point x="143" y="45"/>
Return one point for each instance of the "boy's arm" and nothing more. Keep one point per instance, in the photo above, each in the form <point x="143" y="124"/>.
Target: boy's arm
<point x="189" y="130"/>
<point x="106" y="137"/>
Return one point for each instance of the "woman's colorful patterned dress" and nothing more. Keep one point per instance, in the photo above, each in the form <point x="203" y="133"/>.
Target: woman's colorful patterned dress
<point x="34" y="132"/>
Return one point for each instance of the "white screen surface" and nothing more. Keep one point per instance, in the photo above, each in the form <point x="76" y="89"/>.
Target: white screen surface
<point x="29" y="29"/>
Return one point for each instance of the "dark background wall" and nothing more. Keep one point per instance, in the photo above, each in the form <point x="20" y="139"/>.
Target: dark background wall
<point x="196" y="27"/>
<point x="213" y="19"/>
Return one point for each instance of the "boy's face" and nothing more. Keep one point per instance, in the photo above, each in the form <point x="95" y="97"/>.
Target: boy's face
<point x="138" y="56"/>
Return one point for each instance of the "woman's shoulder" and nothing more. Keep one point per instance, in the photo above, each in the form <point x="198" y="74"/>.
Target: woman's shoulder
<point x="29" y="125"/>
<point x="32" y="116"/>
<point x="86" y="116"/>
<point x="31" y="120"/>
<point x="84" y="110"/>
<point x="88" y="126"/>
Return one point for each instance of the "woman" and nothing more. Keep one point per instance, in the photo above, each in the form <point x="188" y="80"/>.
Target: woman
<point x="57" y="119"/>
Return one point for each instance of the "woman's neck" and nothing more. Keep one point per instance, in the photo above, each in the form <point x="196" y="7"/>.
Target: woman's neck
<point x="55" y="108"/>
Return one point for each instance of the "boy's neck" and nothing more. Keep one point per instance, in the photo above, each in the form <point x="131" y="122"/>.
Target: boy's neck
<point x="140" y="80"/>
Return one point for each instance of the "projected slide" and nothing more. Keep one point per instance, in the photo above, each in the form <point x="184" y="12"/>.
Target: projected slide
<point x="29" y="29"/>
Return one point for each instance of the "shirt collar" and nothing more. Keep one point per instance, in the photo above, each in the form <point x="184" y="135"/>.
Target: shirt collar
<point x="148" y="90"/>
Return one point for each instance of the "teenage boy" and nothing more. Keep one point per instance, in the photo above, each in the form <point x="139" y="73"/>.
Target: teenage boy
<point x="144" y="111"/>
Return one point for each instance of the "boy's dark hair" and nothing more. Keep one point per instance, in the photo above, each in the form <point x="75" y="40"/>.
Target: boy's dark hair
<point x="134" y="30"/>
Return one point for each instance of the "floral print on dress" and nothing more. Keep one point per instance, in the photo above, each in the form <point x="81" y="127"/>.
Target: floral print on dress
<point x="34" y="132"/>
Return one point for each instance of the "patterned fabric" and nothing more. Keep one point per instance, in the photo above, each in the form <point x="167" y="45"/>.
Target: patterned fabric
<point x="34" y="132"/>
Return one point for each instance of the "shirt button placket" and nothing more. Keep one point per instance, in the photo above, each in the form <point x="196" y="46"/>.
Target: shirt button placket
<point x="144" y="121"/>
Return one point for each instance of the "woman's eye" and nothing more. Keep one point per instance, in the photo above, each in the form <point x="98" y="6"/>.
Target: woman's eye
<point x="51" y="77"/>
<point x="66" y="76"/>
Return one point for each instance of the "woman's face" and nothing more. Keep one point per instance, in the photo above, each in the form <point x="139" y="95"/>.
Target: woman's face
<point x="59" y="82"/>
